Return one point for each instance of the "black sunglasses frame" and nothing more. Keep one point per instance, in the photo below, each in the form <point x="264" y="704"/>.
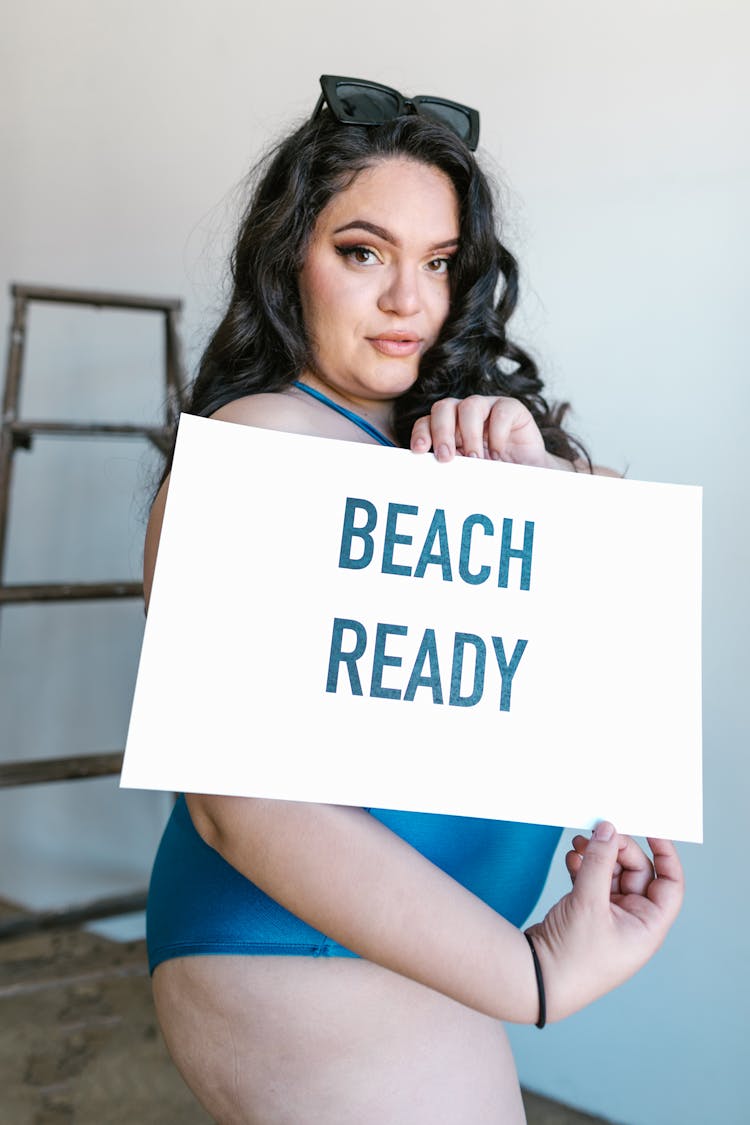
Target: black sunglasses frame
<point x="329" y="84"/>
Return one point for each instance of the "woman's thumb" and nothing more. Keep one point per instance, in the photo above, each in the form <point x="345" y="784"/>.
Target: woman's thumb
<point x="594" y="878"/>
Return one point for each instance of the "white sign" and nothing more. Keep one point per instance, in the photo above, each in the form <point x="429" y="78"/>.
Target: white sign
<point x="337" y="622"/>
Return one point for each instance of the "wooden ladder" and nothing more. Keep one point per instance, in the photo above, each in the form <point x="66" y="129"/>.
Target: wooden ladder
<point x="17" y="433"/>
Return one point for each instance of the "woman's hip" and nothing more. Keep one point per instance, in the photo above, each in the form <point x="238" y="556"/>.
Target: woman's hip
<point x="279" y="1040"/>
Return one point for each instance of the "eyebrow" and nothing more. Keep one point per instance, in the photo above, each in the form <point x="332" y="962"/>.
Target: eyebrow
<point x="381" y="232"/>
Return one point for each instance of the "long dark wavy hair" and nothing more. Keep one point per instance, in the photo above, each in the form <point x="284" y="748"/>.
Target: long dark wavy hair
<point x="261" y="343"/>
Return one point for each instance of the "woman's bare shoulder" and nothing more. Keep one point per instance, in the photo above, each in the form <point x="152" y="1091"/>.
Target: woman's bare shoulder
<point x="269" y="410"/>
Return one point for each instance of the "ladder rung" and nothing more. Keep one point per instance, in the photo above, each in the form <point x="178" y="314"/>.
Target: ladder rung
<point x="17" y="594"/>
<point x="73" y="916"/>
<point x="100" y="300"/>
<point x="116" y="429"/>
<point x="41" y="770"/>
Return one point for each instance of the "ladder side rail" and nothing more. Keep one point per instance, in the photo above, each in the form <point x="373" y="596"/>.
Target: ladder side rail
<point x="10" y="414"/>
<point x="175" y="370"/>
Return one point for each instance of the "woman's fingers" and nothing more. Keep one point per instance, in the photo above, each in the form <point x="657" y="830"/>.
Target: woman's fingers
<point x="472" y="414"/>
<point x="443" y="428"/>
<point x="504" y="418"/>
<point x="659" y="907"/>
<point x="574" y="859"/>
<point x="573" y="863"/>
<point x="421" y="435"/>
<point x="460" y="425"/>
<point x="593" y="880"/>
<point x="637" y="869"/>
<point x="437" y="430"/>
<point x="660" y="881"/>
<point x="514" y="436"/>
<point x="483" y="426"/>
<point x="668" y="888"/>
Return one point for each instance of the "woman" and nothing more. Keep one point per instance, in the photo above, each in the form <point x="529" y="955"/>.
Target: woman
<point x="318" y="963"/>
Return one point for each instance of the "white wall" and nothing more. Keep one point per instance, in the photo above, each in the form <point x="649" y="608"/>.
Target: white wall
<point x="622" y="133"/>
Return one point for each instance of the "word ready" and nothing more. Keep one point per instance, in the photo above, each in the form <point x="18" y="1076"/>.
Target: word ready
<point x="349" y="642"/>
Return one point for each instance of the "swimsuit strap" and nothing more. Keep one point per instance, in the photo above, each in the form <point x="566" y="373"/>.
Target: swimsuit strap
<point x="355" y="418"/>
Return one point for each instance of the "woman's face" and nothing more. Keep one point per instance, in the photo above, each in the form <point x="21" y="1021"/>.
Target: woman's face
<point x="374" y="285"/>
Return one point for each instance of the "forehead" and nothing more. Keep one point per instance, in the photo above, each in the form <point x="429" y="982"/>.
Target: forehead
<point x="402" y="195"/>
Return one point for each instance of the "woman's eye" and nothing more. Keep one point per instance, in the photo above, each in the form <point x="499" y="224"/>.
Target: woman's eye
<point x="362" y="255"/>
<point x="438" y="265"/>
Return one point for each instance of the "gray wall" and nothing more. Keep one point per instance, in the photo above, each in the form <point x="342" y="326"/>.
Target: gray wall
<point x="620" y="133"/>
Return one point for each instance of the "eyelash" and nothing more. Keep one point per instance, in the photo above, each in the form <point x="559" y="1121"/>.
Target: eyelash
<point x="350" y="251"/>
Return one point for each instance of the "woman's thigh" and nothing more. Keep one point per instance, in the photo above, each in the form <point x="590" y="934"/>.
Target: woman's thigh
<point x="330" y="1041"/>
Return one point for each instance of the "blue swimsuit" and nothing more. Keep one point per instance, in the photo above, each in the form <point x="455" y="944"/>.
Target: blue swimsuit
<point x="199" y="904"/>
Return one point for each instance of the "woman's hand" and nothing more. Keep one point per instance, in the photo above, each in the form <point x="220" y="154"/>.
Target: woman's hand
<point x="485" y="426"/>
<point x="615" y="918"/>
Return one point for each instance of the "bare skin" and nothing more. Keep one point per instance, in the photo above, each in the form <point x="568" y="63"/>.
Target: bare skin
<point x="282" y="1040"/>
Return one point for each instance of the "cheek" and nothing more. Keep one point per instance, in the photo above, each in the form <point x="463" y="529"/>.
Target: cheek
<point x="318" y="292"/>
<point x="331" y="304"/>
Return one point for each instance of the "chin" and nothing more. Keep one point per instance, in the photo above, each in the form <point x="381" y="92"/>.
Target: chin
<point x="392" y="384"/>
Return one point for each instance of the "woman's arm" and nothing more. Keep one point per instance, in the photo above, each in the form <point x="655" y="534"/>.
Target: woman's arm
<point x="347" y="875"/>
<point x="350" y="877"/>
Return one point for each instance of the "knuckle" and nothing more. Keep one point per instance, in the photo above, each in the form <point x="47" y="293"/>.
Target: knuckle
<point x="442" y="406"/>
<point x="597" y="857"/>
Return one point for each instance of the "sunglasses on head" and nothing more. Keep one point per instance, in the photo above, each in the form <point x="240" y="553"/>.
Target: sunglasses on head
<point x="353" y="101"/>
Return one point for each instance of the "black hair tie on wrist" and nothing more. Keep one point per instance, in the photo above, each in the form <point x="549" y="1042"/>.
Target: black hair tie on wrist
<point x="539" y="983"/>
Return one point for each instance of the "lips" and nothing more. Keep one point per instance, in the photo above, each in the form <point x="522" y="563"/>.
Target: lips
<point x="396" y="343"/>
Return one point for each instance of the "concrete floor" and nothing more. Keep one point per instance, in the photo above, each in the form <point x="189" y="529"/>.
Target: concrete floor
<point x="79" y="1044"/>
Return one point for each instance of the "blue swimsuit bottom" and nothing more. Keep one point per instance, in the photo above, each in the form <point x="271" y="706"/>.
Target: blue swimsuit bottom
<point x="199" y="904"/>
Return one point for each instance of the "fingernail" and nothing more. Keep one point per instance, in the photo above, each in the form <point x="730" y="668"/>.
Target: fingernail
<point x="443" y="453"/>
<point x="473" y="454"/>
<point x="604" y="831"/>
<point x="494" y="455"/>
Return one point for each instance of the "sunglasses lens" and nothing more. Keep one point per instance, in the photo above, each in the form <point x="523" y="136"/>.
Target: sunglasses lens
<point x="452" y="116"/>
<point x="352" y="101"/>
<point x="364" y="105"/>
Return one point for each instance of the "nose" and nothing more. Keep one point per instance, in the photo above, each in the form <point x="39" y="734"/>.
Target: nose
<point x="401" y="295"/>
